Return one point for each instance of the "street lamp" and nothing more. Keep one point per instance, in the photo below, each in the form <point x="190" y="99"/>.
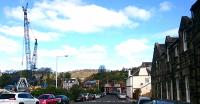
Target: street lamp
<point x="57" y="68"/>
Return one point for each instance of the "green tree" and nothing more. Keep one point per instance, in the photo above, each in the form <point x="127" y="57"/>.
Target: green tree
<point x="75" y="91"/>
<point x="5" y="79"/>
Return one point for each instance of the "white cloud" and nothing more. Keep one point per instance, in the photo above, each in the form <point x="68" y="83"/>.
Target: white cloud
<point x="137" y="13"/>
<point x="16" y="12"/>
<point x="82" y="57"/>
<point x="83" y="54"/>
<point x="75" y="15"/>
<point x="133" y="51"/>
<point x="165" y="6"/>
<point x="18" y="31"/>
<point x="8" y="45"/>
<point x="171" y="32"/>
<point x="131" y="47"/>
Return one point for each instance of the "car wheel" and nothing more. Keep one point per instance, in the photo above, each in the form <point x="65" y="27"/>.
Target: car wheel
<point x="21" y="103"/>
<point x="37" y="103"/>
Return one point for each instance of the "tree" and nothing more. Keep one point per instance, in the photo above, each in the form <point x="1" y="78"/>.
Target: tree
<point x="75" y="91"/>
<point x="102" y="69"/>
<point x="5" y="79"/>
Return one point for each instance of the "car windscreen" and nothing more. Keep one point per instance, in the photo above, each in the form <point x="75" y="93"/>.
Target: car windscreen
<point x="58" y="96"/>
<point x="25" y="96"/>
<point x="145" y="101"/>
<point x="43" y="97"/>
<point x="7" y="96"/>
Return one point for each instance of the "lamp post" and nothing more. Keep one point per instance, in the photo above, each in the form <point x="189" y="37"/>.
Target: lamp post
<point x="57" y="68"/>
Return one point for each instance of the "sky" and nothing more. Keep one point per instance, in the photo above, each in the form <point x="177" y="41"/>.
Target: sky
<point x="114" y="33"/>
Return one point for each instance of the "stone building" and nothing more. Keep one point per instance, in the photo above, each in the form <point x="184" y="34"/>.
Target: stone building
<point x="176" y="63"/>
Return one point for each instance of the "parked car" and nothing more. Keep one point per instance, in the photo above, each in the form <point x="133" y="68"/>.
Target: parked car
<point x="103" y="94"/>
<point x="81" y="97"/>
<point x="18" y="98"/>
<point x="121" y="95"/>
<point x="64" y="99"/>
<point x="10" y="87"/>
<point x="97" y="96"/>
<point x="144" y="100"/>
<point x="48" y="98"/>
<point x="86" y="95"/>
<point x="91" y="96"/>
<point x="167" y="102"/>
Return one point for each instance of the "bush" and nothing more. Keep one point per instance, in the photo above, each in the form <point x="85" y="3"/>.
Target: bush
<point x="51" y="90"/>
<point x="136" y="93"/>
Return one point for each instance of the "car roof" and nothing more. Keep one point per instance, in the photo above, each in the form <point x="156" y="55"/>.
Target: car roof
<point x="17" y="93"/>
<point x="144" y="97"/>
<point x="46" y="94"/>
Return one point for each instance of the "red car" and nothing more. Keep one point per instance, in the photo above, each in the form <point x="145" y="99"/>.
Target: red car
<point x="47" y="99"/>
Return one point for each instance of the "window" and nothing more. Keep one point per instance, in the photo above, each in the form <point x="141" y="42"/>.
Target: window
<point x="176" y="51"/>
<point x="22" y="96"/>
<point x="43" y="97"/>
<point x="177" y="89"/>
<point x="161" y="90"/>
<point x="192" y="13"/>
<point x="167" y="55"/>
<point x="157" y="90"/>
<point x="7" y="96"/>
<point x="167" y="90"/>
<point x="184" y="41"/>
<point x="156" y="64"/>
<point x="146" y="80"/>
<point x="172" y="90"/>
<point x="187" y="89"/>
<point x="25" y="96"/>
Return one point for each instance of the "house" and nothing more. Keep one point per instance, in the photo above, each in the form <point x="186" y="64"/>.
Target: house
<point x="69" y="83"/>
<point x="91" y="83"/>
<point x="0" y="73"/>
<point x="114" y="88"/>
<point x="139" y="79"/>
<point x="176" y="63"/>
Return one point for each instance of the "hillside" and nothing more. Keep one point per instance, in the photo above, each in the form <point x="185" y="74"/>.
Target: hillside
<point x="82" y="73"/>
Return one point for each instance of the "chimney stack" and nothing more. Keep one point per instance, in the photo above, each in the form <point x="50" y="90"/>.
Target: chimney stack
<point x="129" y="72"/>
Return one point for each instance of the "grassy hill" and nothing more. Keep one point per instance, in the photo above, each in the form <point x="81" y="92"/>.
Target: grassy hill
<point x="83" y="73"/>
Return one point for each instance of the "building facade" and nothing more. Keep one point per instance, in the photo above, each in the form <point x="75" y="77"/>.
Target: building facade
<point x="176" y="63"/>
<point x="139" y="79"/>
<point x="69" y="83"/>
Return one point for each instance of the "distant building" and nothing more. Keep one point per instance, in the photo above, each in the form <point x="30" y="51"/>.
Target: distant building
<point x="139" y="79"/>
<point x="111" y="88"/>
<point x="102" y="69"/>
<point x="90" y="83"/>
<point x="0" y="73"/>
<point x="69" y="83"/>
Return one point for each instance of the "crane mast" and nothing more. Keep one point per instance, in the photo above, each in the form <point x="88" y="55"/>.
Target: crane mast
<point x="23" y="84"/>
<point x="34" y="57"/>
<point x="27" y="38"/>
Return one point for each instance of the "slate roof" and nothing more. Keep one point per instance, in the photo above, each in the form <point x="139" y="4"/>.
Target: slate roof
<point x="185" y="22"/>
<point x="161" y="48"/>
<point x="195" y="5"/>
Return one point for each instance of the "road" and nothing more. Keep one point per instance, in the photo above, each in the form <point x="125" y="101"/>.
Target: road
<point x="108" y="99"/>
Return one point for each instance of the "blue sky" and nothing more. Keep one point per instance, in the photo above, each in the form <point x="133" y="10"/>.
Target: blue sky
<point x="115" y="33"/>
